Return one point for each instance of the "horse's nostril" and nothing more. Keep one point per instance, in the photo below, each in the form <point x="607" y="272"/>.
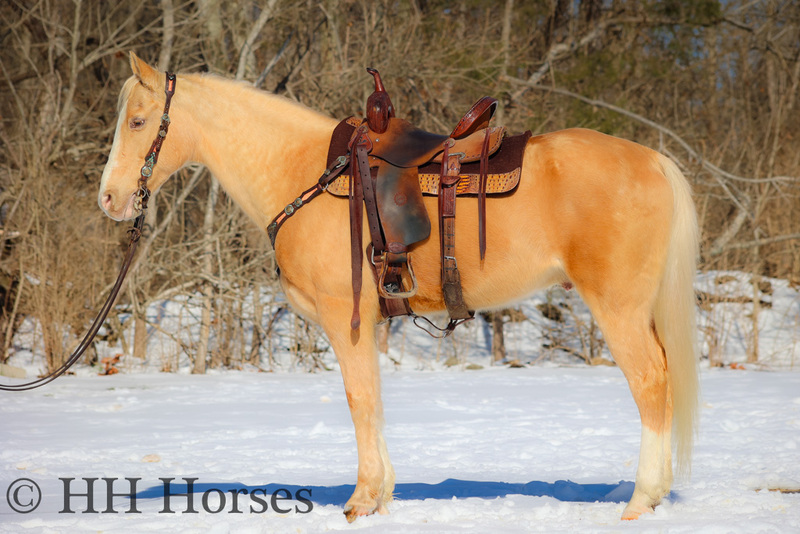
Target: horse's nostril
<point x="107" y="201"/>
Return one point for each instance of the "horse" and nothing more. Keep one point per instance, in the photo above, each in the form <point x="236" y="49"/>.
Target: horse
<point x="610" y="217"/>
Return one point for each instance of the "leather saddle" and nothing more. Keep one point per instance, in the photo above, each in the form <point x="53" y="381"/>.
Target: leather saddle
<point x="397" y="154"/>
<point x="391" y="165"/>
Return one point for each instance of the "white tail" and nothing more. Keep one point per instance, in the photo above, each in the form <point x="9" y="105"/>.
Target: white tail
<point x="674" y="315"/>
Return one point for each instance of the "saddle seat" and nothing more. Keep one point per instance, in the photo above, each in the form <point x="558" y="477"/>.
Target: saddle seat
<point x="397" y="154"/>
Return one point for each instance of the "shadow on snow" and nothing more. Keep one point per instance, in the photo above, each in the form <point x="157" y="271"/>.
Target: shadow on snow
<point x="562" y="490"/>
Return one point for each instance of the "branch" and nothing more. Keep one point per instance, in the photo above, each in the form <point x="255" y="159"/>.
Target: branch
<point x="505" y="37"/>
<point x="743" y="204"/>
<point x="334" y="31"/>
<point x="168" y="35"/>
<point x="692" y="152"/>
<point x="274" y="61"/>
<point x="758" y="243"/>
<point x="109" y="46"/>
<point x="722" y="240"/>
<point x="266" y="13"/>
<point x="561" y="50"/>
<point x="74" y="69"/>
<point x="144" y="248"/>
<point x="167" y="219"/>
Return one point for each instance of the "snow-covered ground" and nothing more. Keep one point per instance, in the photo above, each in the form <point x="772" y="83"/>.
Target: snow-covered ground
<point x="551" y="447"/>
<point x="544" y="449"/>
<point x="552" y="326"/>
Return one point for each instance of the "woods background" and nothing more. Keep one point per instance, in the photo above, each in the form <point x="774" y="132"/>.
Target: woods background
<point x="712" y="84"/>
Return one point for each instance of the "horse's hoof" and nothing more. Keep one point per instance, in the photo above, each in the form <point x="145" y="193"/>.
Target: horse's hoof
<point x="352" y="512"/>
<point x="633" y="512"/>
<point x="628" y="515"/>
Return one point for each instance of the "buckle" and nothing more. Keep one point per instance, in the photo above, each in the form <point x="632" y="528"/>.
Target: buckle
<point x="141" y="197"/>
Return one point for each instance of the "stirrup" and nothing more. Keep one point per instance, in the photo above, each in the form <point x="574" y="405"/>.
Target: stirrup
<point x="382" y="288"/>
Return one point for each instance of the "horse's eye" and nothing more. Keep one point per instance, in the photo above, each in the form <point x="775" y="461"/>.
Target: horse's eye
<point x="136" y="123"/>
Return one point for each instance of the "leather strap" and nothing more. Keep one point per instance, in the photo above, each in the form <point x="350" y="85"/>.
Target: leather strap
<point x="135" y="233"/>
<point x="395" y="308"/>
<point x="387" y="266"/>
<point x="328" y="176"/>
<point x="370" y="201"/>
<point x="484" y="165"/>
<point x="150" y="160"/>
<point x="356" y="246"/>
<point x="451" y="279"/>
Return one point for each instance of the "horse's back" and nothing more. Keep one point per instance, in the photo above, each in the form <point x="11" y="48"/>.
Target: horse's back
<point x="587" y="205"/>
<point x="591" y="160"/>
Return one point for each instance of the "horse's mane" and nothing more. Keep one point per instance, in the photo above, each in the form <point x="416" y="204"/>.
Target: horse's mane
<point x="245" y="87"/>
<point x="257" y="97"/>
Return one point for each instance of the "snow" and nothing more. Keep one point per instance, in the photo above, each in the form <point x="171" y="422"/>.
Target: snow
<point x="725" y="331"/>
<point x="545" y="449"/>
<point x="550" y="447"/>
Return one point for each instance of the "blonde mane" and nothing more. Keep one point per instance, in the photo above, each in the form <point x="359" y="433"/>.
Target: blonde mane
<point x="235" y="88"/>
<point x="273" y="104"/>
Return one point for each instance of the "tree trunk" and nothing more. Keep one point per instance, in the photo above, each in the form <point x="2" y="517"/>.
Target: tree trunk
<point x="208" y="290"/>
<point x="140" y="336"/>
<point x="498" y="339"/>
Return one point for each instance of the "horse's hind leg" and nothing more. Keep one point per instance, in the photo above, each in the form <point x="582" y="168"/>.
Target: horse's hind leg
<point x="358" y="359"/>
<point x="633" y="342"/>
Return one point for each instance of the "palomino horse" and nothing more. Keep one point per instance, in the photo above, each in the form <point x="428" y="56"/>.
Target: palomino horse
<point x="611" y="217"/>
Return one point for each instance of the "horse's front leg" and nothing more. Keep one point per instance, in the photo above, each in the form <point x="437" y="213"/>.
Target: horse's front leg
<point x="357" y="354"/>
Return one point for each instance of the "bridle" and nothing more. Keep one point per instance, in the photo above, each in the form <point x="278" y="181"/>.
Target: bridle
<point x="134" y="234"/>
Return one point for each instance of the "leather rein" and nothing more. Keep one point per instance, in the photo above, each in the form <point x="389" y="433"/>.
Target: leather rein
<point x="134" y="233"/>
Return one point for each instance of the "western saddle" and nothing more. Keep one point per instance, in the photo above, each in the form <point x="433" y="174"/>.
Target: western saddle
<point x="387" y="164"/>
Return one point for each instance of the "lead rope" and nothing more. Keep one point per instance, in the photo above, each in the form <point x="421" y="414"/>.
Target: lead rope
<point x="135" y="233"/>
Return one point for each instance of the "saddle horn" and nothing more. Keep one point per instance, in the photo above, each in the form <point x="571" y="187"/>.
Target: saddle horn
<point x="379" y="105"/>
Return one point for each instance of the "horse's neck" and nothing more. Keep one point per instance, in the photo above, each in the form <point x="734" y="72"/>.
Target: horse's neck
<point x="263" y="149"/>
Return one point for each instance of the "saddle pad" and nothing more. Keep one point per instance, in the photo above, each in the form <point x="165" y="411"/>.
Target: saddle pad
<point x="503" y="174"/>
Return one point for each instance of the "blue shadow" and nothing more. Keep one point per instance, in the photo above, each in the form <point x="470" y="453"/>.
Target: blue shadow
<point x="563" y="490"/>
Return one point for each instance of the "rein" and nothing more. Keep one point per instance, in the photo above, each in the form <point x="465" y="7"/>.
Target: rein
<point x="135" y="233"/>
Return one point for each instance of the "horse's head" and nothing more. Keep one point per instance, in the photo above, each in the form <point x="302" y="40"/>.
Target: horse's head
<point x="141" y="104"/>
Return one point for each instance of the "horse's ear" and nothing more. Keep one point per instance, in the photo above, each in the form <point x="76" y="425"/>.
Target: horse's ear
<point x="147" y="75"/>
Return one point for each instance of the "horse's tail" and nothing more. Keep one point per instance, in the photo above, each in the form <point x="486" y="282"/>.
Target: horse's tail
<point x="674" y="315"/>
